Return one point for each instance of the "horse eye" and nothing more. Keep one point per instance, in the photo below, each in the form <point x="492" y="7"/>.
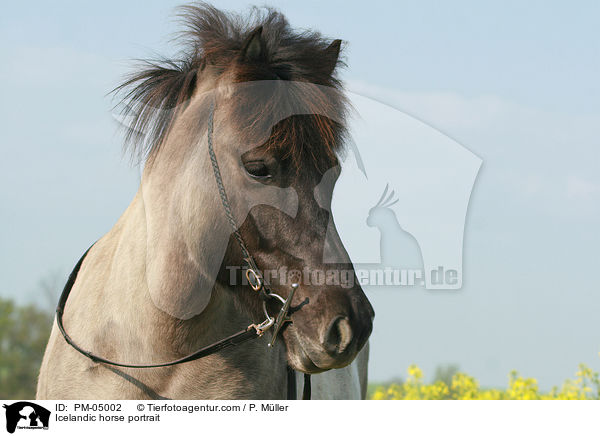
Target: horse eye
<point x="258" y="170"/>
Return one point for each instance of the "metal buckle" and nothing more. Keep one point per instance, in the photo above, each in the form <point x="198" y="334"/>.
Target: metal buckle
<point x="266" y="324"/>
<point x="280" y="320"/>
<point x="282" y="316"/>
<point x="254" y="279"/>
<point x="262" y="327"/>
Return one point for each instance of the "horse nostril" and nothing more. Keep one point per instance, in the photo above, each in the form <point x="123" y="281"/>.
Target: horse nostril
<point x="338" y="336"/>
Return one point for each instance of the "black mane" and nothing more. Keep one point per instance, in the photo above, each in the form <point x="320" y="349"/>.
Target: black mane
<point x="217" y="38"/>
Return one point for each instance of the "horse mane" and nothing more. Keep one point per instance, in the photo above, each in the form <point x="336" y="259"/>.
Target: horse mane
<point x="213" y="37"/>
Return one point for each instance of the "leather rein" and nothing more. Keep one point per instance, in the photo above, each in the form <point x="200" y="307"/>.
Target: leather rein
<point x="255" y="279"/>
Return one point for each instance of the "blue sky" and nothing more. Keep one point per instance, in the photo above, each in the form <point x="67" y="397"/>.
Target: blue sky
<point x="514" y="82"/>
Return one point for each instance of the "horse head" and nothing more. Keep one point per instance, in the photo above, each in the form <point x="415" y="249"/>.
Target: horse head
<point x="279" y="127"/>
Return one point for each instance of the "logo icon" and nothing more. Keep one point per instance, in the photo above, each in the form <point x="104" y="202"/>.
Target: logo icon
<point x="26" y="415"/>
<point x="423" y="180"/>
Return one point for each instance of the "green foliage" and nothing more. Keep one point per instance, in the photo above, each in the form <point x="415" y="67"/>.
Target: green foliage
<point x="24" y="332"/>
<point x="445" y="373"/>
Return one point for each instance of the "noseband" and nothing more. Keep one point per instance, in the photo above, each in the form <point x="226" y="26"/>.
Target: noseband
<point x="255" y="279"/>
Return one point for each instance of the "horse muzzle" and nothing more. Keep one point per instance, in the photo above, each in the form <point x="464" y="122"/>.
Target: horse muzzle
<point x="329" y="333"/>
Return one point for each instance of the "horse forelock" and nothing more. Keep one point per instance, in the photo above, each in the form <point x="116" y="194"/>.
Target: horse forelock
<point x="213" y="41"/>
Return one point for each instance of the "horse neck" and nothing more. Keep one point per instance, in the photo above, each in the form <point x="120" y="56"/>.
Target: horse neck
<point x="132" y="328"/>
<point x="112" y="292"/>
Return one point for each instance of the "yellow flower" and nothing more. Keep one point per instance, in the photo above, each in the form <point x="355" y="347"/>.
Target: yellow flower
<point x="586" y="385"/>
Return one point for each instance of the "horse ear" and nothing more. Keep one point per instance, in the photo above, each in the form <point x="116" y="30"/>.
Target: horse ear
<point x="253" y="49"/>
<point x="331" y="55"/>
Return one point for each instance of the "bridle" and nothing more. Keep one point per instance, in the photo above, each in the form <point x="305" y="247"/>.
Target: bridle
<point x="255" y="280"/>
